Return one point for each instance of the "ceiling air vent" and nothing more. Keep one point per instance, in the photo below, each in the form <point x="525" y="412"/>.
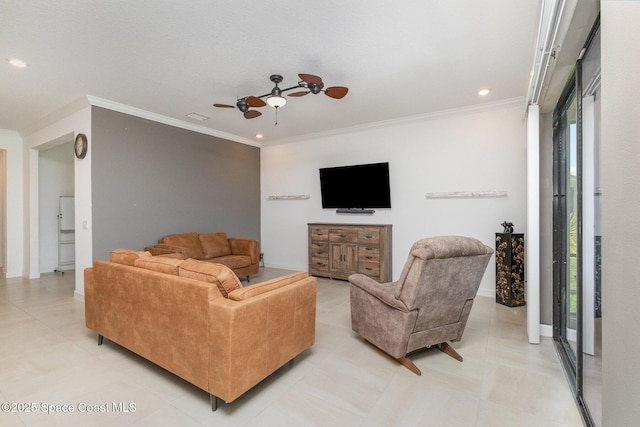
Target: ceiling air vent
<point x="198" y="116"/>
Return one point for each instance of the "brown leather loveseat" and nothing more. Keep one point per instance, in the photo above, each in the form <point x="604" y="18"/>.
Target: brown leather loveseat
<point x="240" y="255"/>
<point x="197" y="321"/>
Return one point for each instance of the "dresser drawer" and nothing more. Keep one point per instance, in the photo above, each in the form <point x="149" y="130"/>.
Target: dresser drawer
<point x="320" y="264"/>
<point x="369" y="253"/>
<point x="369" y="236"/>
<point x="343" y="236"/>
<point x="319" y="233"/>
<point x="320" y="249"/>
<point x="369" y="268"/>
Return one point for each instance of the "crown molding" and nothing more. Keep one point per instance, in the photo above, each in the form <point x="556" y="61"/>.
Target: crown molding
<point x="11" y="133"/>
<point x="403" y="120"/>
<point x="137" y="112"/>
<point x="56" y="116"/>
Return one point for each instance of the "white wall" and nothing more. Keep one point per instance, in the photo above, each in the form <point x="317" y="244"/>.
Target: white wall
<point x="55" y="180"/>
<point x="620" y="213"/>
<point x="11" y="142"/>
<point x="472" y="149"/>
<point x="546" y="222"/>
<point x="69" y="123"/>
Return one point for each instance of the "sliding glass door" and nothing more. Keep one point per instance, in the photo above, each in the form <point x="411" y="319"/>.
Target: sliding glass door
<point x="566" y="224"/>
<point x="591" y="369"/>
<point x="577" y="231"/>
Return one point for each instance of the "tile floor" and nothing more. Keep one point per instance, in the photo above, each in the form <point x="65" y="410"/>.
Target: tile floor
<point x="48" y="357"/>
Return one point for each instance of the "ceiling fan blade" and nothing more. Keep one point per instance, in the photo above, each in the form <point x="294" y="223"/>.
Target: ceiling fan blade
<point x="252" y="114"/>
<point x="223" y="106"/>
<point x="303" y="93"/>
<point x="255" y="102"/>
<point x="310" y="78"/>
<point x="336" y="92"/>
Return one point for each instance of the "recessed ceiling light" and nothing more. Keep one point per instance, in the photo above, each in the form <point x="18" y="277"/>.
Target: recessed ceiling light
<point x="484" y="92"/>
<point x="18" y="63"/>
<point x="259" y="136"/>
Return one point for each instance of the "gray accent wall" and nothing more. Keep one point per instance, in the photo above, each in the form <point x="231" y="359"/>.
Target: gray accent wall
<point x="150" y="179"/>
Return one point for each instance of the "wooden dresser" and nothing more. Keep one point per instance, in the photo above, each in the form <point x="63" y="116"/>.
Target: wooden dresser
<point x="339" y="250"/>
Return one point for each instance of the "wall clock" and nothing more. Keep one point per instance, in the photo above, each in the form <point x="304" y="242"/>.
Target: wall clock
<point x="80" y="146"/>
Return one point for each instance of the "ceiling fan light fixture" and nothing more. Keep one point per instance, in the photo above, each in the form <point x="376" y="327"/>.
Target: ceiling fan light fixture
<point x="308" y="84"/>
<point x="276" y="101"/>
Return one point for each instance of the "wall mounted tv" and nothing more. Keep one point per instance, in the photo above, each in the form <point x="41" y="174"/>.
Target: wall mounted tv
<point x="356" y="188"/>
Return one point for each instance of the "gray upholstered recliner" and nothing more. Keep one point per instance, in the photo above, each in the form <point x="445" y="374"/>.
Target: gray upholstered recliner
<point x="430" y="303"/>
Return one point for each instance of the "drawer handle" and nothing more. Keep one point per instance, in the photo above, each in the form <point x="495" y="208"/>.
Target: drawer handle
<point x="343" y="235"/>
<point x="369" y="237"/>
<point x="369" y="257"/>
<point x="369" y="268"/>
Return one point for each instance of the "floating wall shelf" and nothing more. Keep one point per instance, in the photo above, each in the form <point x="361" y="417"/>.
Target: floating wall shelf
<point x="466" y="194"/>
<point x="289" y="197"/>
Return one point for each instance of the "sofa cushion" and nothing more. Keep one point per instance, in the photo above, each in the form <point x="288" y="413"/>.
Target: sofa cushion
<point x="162" y="264"/>
<point x="264" y="287"/>
<point x="127" y="256"/>
<point x="214" y="245"/>
<point x="221" y="275"/>
<point x="172" y="255"/>
<point x="232" y="261"/>
<point x="189" y="241"/>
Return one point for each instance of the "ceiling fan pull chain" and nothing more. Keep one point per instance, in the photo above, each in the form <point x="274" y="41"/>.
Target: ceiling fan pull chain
<point x="276" y="117"/>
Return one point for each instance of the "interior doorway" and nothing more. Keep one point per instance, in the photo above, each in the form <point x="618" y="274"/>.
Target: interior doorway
<point x="55" y="180"/>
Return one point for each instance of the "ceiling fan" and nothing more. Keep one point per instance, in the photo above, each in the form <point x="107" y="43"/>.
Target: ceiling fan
<point x="308" y="83"/>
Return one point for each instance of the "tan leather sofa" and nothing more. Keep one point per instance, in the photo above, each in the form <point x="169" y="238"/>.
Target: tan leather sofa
<point x="175" y="313"/>
<point x="240" y="255"/>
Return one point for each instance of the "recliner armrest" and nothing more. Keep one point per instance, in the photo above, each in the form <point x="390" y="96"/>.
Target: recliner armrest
<point x="385" y="292"/>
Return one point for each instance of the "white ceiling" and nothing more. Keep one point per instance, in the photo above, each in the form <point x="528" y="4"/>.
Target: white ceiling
<point x="174" y="57"/>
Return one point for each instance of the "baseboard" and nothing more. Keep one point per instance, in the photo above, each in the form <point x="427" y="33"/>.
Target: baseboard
<point x="490" y="293"/>
<point x="546" y="330"/>
<point x="287" y="267"/>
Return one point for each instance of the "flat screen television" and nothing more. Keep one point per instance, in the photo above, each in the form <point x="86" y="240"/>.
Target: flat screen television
<point x="356" y="187"/>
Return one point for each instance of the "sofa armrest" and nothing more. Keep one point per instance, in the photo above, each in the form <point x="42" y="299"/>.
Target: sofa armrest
<point x="245" y="247"/>
<point x="247" y="292"/>
<point x="164" y="249"/>
<point x="385" y="292"/>
<point x="250" y="339"/>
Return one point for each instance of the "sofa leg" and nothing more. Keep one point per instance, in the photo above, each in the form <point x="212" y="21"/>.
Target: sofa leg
<point x="248" y="279"/>
<point x="100" y="339"/>
<point x="214" y="402"/>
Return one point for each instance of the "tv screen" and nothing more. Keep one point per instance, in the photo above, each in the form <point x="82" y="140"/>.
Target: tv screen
<point x="356" y="187"/>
